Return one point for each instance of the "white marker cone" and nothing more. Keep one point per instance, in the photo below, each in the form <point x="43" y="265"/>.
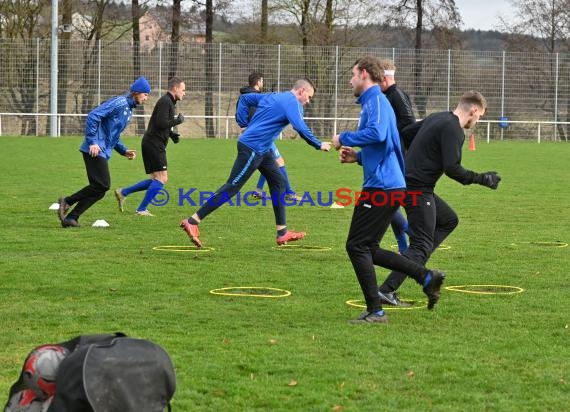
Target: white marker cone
<point x="100" y="223"/>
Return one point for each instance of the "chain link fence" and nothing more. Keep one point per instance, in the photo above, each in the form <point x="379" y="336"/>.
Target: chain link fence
<point x="528" y="93"/>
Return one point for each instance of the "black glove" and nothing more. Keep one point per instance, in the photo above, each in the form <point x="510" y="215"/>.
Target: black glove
<point x="175" y="137"/>
<point x="179" y="119"/>
<point x="489" y="179"/>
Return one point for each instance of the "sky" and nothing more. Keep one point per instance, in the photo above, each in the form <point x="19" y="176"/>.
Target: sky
<point x="483" y="14"/>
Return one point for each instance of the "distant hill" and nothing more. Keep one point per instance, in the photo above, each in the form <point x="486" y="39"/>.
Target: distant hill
<point x="488" y="40"/>
<point x="373" y="35"/>
<point x="403" y="37"/>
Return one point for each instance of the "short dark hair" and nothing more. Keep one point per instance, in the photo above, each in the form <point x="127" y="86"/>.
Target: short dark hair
<point x="174" y="82"/>
<point x="473" y="98"/>
<point x="253" y="78"/>
<point x="372" y="65"/>
<point x="304" y="82"/>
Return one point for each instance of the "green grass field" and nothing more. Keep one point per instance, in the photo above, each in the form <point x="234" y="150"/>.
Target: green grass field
<point x="474" y="352"/>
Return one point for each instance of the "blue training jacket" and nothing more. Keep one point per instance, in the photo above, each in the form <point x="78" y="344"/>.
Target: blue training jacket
<point x="274" y="112"/>
<point x="105" y="123"/>
<point x="377" y="136"/>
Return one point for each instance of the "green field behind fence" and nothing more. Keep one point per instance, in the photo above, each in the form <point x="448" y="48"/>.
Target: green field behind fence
<point x="474" y="352"/>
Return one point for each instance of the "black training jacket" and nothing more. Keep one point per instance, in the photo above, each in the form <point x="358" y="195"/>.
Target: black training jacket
<point x="435" y="150"/>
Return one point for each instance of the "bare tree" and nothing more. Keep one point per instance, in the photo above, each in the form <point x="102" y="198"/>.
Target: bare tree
<point x="326" y="76"/>
<point x="264" y="21"/>
<point x="542" y="25"/>
<point x="175" y="37"/>
<point x="329" y="21"/>
<point x="137" y="11"/>
<point x="306" y="20"/>
<point x="304" y="13"/>
<point x="95" y="25"/>
<point x="442" y="18"/>
<point x="323" y="23"/>
<point x="20" y="21"/>
<point x="209" y="12"/>
<point x="424" y="15"/>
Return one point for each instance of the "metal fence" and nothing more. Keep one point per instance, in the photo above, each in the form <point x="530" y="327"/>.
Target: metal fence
<point x="528" y="93"/>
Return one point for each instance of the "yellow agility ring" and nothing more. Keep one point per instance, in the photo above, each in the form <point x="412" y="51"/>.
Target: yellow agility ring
<point x="557" y="244"/>
<point x="302" y="247"/>
<point x="486" y="289"/>
<point x="359" y="303"/>
<point x="252" y="292"/>
<point x="186" y="248"/>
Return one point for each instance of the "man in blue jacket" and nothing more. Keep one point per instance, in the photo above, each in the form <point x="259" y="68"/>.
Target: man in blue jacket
<point x="383" y="165"/>
<point x="103" y="128"/>
<point x="274" y="112"/>
<point x="255" y="85"/>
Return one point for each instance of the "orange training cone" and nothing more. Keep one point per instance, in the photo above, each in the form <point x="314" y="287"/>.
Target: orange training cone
<point x="472" y="142"/>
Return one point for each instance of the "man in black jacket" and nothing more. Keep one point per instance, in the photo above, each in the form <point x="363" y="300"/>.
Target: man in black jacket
<point x="154" y="143"/>
<point x="404" y="112"/>
<point x="255" y="84"/>
<point x="435" y="150"/>
<point x="399" y="100"/>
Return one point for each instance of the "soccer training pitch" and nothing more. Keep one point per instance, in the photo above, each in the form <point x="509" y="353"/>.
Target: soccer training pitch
<point x="491" y="351"/>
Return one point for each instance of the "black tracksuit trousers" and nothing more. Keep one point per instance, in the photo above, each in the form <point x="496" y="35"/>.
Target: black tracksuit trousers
<point x="430" y="222"/>
<point x="369" y="224"/>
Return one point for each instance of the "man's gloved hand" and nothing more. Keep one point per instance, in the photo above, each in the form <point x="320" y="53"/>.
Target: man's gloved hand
<point x="179" y="119"/>
<point x="489" y="179"/>
<point x="175" y="137"/>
